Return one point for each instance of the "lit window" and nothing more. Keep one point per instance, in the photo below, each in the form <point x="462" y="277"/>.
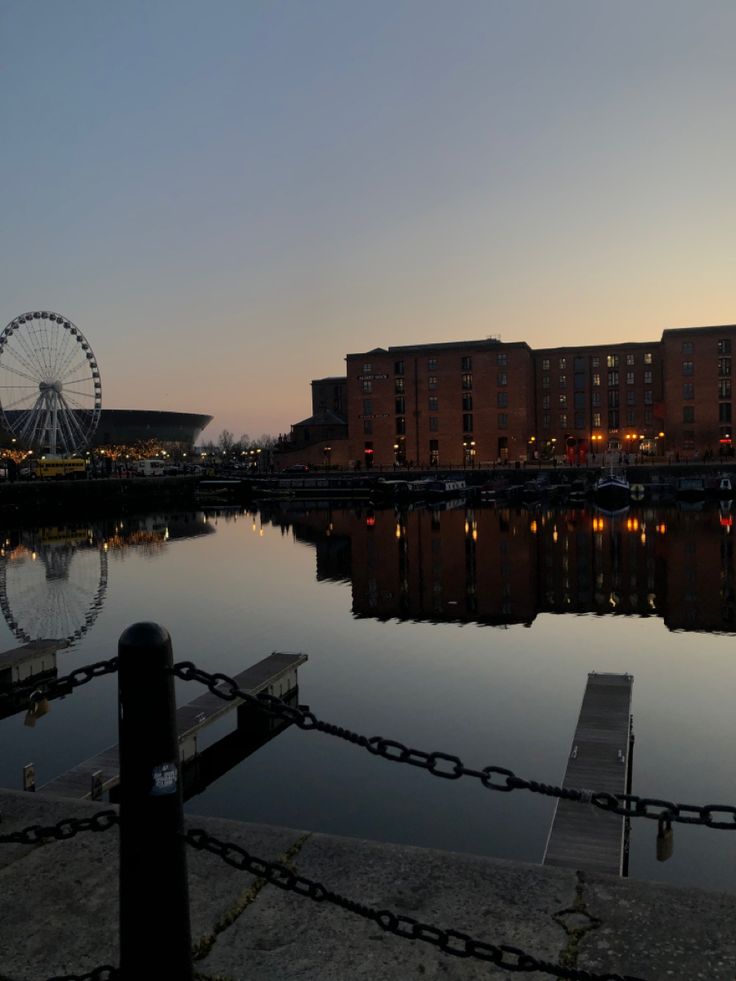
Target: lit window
<point x="647" y="378"/>
<point x="432" y="381"/>
<point x="503" y="361"/>
<point x="612" y="361"/>
<point x="595" y="362"/>
<point x="596" y="379"/>
<point x="724" y="346"/>
<point x="434" y="403"/>
<point x="467" y="381"/>
<point x="432" y="364"/>
<point x="367" y="386"/>
<point x="398" y="385"/>
<point x="648" y="357"/>
<point x="563" y="381"/>
<point x="629" y="377"/>
<point x="563" y="364"/>
<point x="563" y="401"/>
<point x="502" y="379"/>
<point x="545" y="364"/>
<point x="688" y="368"/>
<point x="597" y="420"/>
<point x="612" y="378"/>
<point x="629" y="359"/>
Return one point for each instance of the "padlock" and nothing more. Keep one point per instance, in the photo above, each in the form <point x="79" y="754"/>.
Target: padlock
<point x="665" y="841"/>
<point x="38" y="707"/>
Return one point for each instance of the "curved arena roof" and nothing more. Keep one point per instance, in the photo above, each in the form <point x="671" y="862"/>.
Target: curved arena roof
<point x="135" y="425"/>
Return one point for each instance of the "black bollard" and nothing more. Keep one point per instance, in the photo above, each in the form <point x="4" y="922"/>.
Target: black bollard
<point x="155" y="936"/>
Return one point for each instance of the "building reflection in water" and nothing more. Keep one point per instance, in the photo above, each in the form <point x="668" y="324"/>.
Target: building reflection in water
<point x="502" y="566"/>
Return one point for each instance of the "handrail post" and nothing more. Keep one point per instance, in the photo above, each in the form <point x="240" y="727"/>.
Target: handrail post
<point x="155" y="935"/>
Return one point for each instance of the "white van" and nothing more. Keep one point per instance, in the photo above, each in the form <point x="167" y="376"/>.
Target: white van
<point x="151" y="468"/>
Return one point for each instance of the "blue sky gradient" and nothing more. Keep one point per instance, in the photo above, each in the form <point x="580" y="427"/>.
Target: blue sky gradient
<point x="228" y="197"/>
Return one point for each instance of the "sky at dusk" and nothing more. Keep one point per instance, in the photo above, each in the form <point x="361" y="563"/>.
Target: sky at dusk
<point x="228" y="197"/>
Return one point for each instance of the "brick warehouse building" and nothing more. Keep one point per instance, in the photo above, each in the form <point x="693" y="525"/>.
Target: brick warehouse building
<point x="475" y="403"/>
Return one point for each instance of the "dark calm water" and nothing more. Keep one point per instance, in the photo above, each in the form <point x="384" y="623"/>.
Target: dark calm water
<point x="466" y="631"/>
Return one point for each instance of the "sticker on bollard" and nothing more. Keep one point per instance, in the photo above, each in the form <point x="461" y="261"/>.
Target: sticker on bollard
<point x="164" y="779"/>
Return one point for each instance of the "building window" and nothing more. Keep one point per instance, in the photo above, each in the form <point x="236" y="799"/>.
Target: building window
<point x="434" y="452"/>
<point x="579" y="364"/>
<point x="367" y="407"/>
<point x="367" y="427"/>
<point x="398" y="385"/>
<point x="434" y="424"/>
<point x="612" y="361"/>
<point x="597" y="420"/>
<point x="367" y="387"/>
<point x="724" y="412"/>
<point x="502" y="379"/>
<point x="502" y="400"/>
<point x="724" y="367"/>
<point x="648" y="416"/>
<point x="687" y="347"/>
<point x="466" y="364"/>
<point x="400" y="425"/>
<point x="467" y="422"/>
<point x="631" y="397"/>
<point x="688" y="368"/>
<point x="367" y="368"/>
<point x="595" y="362"/>
<point x="434" y="403"/>
<point x="688" y="390"/>
<point x="647" y="357"/>
<point x="724" y="388"/>
<point x="579" y="381"/>
<point x="613" y="399"/>
<point x="629" y="377"/>
<point x="647" y="378"/>
<point x="545" y="421"/>
<point x="563" y="401"/>
<point x="631" y="417"/>
<point x="467" y="382"/>
<point x="502" y="361"/>
<point x="563" y="420"/>
<point x="563" y="364"/>
<point x="596" y="379"/>
<point x="563" y="381"/>
<point x="503" y="420"/>
<point x="648" y="397"/>
<point x="579" y="420"/>
<point x="545" y="364"/>
<point x="545" y="401"/>
<point x="398" y="367"/>
<point x="629" y="359"/>
<point x="613" y="419"/>
<point x="545" y="381"/>
<point x="432" y="381"/>
<point x="431" y="364"/>
<point x="400" y="406"/>
<point x="688" y="413"/>
<point x="595" y="398"/>
<point x="467" y="403"/>
<point x="724" y="346"/>
<point x="612" y="378"/>
<point x="579" y="400"/>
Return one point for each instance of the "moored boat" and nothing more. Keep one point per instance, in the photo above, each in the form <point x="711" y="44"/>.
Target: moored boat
<point x="612" y="489"/>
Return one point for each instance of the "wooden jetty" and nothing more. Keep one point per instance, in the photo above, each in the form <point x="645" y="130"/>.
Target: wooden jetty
<point x="33" y="660"/>
<point x="275" y="674"/>
<point x="583" y="836"/>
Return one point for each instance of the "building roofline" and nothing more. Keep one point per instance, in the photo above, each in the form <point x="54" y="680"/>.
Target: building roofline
<point x="714" y="327"/>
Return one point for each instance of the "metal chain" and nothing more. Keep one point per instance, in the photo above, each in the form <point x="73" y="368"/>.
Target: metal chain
<point x="453" y="942"/>
<point x="449" y="767"/>
<point x="22" y="696"/>
<point x="63" y="830"/>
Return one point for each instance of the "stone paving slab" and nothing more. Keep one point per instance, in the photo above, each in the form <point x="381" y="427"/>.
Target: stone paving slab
<point x="58" y="909"/>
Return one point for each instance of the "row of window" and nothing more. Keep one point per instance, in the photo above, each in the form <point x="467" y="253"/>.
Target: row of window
<point x="614" y="419"/>
<point x="466" y="364"/>
<point x="611" y="360"/>
<point x="723" y="346"/>
<point x="612" y="378"/>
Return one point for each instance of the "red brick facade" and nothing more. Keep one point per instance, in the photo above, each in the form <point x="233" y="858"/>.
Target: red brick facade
<point x="474" y="403"/>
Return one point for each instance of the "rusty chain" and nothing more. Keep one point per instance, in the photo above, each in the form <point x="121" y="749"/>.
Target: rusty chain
<point x="449" y="941"/>
<point x="449" y="767"/>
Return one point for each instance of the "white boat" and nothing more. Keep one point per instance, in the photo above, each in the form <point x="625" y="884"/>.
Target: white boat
<point x="612" y="488"/>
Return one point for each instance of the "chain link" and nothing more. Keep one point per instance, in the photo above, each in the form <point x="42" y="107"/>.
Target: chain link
<point x="62" y="831"/>
<point x="20" y="697"/>
<point x="453" y="942"/>
<point x="449" y="767"/>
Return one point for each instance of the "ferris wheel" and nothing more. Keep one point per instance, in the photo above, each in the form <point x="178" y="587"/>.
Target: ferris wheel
<point x="50" y="387"/>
